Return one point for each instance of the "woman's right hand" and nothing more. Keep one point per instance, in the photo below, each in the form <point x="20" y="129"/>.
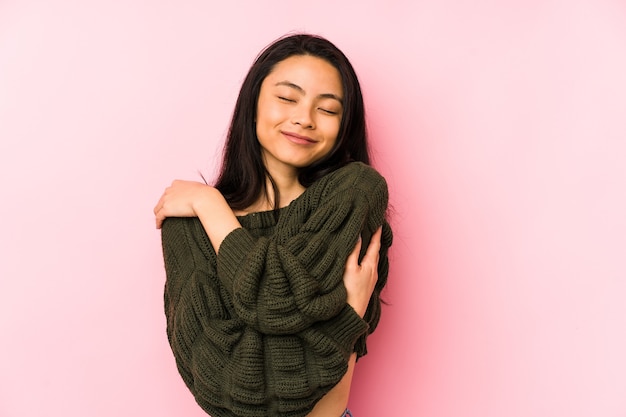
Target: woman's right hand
<point x="360" y="279"/>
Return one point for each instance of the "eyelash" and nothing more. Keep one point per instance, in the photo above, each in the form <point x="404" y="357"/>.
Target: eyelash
<point x="288" y="100"/>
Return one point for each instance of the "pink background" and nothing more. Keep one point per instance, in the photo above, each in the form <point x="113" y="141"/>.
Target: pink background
<point x="500" y="125"/>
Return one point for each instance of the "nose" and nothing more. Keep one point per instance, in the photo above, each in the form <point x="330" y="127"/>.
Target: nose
<point x="302" y="116"/>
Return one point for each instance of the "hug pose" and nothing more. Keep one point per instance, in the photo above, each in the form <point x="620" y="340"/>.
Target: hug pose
<point x="274" y="273"/>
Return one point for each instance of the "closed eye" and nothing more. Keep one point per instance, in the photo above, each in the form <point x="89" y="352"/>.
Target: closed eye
<point x="288" y="100"/>
<point x="330" y="112"/>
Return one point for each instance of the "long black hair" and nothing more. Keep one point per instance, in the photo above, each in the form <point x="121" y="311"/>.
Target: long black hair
<point x="242" y="178"/>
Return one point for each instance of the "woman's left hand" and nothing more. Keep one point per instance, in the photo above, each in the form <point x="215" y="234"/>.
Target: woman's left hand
<point x="360" y="278"/>
<point x="181" y="199"/>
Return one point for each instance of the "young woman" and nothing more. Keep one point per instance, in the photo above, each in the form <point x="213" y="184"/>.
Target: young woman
<point x="270" y="294"/>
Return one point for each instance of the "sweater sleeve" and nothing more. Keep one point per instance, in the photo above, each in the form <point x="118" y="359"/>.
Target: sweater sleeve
<point x="284" y="283"/>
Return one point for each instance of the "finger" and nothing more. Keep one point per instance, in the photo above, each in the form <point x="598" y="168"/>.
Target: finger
<point x="353" y="258"/>
<point x="159" y="205"/>
<point x="373" y="249"/>
<point x="159" y="221"/>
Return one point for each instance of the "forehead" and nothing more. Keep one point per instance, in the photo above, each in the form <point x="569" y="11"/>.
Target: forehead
<point x="309" y="72"/>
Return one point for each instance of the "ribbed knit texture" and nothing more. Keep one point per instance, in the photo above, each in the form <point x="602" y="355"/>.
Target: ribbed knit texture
<point x="263" y="329"/>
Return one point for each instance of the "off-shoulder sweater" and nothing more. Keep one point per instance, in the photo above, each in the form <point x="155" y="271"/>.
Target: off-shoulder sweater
<point x="263" y="327"/>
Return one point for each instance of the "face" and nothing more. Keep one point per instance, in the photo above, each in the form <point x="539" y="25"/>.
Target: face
<point x="298" y="113"/>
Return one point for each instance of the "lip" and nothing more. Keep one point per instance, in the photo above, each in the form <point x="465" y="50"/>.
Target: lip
<point x="298" y="139"/>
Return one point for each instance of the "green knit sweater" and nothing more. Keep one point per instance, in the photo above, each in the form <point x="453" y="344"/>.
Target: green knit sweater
<point x="263" y="328"/>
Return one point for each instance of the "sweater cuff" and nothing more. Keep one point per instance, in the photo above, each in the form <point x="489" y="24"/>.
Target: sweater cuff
<point x="345" y="329"/>
<point x="233" y="250"/>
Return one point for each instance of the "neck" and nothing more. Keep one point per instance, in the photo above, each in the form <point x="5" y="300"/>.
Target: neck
<point x="288" y="187"/>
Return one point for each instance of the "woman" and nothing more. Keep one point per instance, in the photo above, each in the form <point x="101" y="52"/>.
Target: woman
<point x="269" y="295"/>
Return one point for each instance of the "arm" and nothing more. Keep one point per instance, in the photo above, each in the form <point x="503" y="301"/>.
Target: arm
<point x="298" y="269"/>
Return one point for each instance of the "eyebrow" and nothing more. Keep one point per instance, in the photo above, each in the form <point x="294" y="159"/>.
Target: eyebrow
<point x="301" y="90"/>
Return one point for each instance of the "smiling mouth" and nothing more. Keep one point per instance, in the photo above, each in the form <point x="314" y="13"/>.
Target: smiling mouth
<point x="299" y="139"/>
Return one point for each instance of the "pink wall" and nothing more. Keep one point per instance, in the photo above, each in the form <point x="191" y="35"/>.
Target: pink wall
<point x="500" y="126"/>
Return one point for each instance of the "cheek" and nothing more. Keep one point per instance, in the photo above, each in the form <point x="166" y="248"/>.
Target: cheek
<point x="264" y="106"/>
<point x="332" y="129"/>
<point x="270" y="114"/>
<point x="268" y="109"/>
